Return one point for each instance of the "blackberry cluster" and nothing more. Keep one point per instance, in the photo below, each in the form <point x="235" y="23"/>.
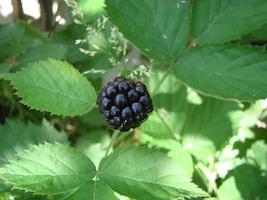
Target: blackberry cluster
<point x="124" y="103"/>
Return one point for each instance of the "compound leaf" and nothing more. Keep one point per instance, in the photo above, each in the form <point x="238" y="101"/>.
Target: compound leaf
<point x="146" y="174"/>
<point x="49" y="169"/>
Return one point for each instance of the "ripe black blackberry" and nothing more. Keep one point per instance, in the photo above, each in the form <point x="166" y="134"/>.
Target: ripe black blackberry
<point x="124" y="103"/>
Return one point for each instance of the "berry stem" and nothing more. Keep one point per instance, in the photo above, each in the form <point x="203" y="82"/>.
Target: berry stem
<point x="112" y="142"/>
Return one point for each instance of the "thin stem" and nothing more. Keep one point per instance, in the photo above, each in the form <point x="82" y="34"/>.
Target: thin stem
<point x="112" y="141"/>
<point x="54" y="22"/>
<point x="163" y="78"/>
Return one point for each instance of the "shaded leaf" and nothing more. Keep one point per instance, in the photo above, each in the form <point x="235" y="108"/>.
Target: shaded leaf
<point x="94" y="145"/>
<point x="15" y="137"/>
<point x="10" y="33"/>
<point x="42" y="52"/>
<point x="204" y="127"/>
<point x="244" y="183"/>
<point x="211" y="120"/>
<point x="170" y="107"/>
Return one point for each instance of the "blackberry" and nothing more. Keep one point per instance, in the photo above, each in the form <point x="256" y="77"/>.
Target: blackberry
<point x="124" y="104"/>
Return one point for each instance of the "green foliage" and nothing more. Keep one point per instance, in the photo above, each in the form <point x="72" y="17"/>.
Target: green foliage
<point x="9" y="34"/>
<point x="54" y="86"/>
<point x="257" y="155"/>
<point x="91" y="8"/>
<point x="49" y="169"/>
<point x="158" y="28"/>
<point x="244" y="182"/>
<point x="231" y="72"/>
<point x="55" y="168"/>
<point x="93" y="190"/>
<point x="170" y="112"/>
<point x="153" y="176"/>
<point x="204" y="63"/>
<point x="15" y="137"/>
<point x="220" y="21"/>
<point x="94" y="145"/>
<point x="41" y="52"/>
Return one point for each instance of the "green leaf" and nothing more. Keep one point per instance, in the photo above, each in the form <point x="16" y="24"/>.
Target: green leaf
<point x="257" y="155"/>
<point x="245" y="183"/>
<point x="169" y="144"/>
<point x="54" y="86"/>
<point x="211" y="120"/>
<point x="230" y="72"/>
<point x="91" y="8"/>
<point x="159" y="29"/>
<point x="94" y="145"/>
<point x="263" y="196"/>
<point x="4" y="196"/>
<point x="15" y="137"/>
<point x="49" y="169"/>
<point x="220" y="21"/>
<point x="22" y="195"/>
<point x="204" y="128"/>
<point x="208" y="127"/>
<point x="42" y="52"/>
<point x="11" y="37"/>
<point x="184" y="159"/>
<point x="4" y="187"/>
<point x="93" y="190"/>
<point x="200" y="147"/>
<point x="170" y="104"/>
<point x="175" y="151"/>
<point x="145" y="174"/>
<point x="10" y="33"/>
<point x="260" y="34"/>
<point x="4" y="69"/>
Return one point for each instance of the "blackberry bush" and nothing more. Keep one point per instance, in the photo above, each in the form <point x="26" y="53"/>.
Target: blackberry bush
<point x="206" y="61"/>
<point x="124" y="103"/>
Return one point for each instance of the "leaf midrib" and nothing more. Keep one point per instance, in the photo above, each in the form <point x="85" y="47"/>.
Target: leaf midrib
<point x="138" y="180"/>
<point x="53" y="91"/>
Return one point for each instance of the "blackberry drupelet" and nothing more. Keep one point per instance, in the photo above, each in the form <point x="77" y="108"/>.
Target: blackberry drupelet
<point x="124" y="103"/>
